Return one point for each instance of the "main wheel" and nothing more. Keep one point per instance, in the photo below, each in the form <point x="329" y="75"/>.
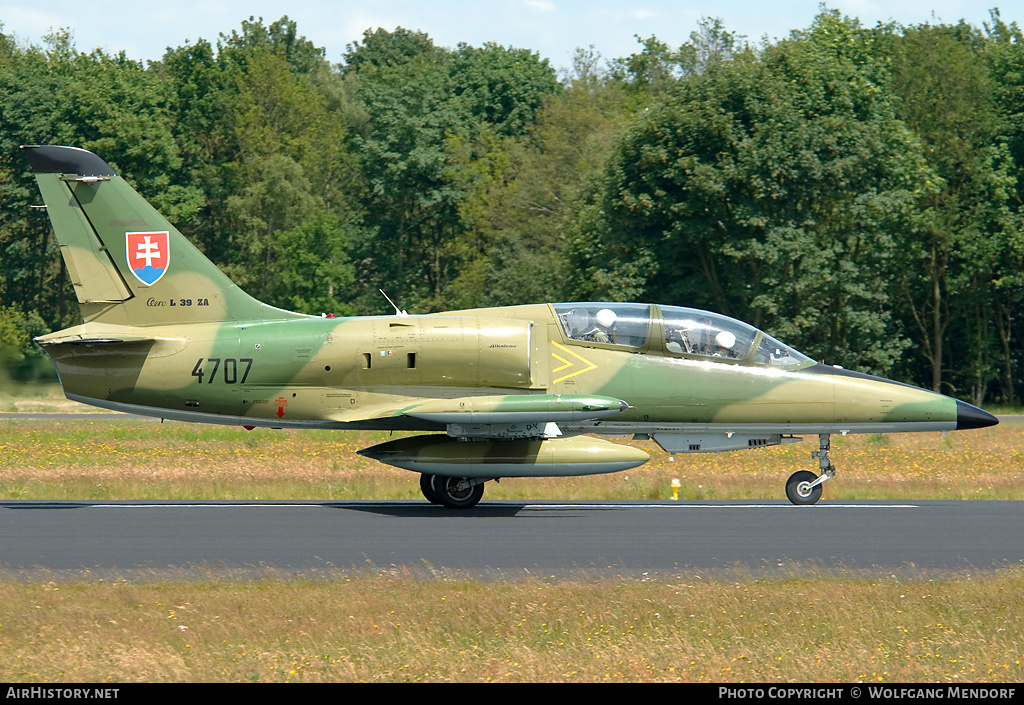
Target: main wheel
<point x="427" y="488"/>
<point x="457" y="492"/>
<point x="799" y="490"/>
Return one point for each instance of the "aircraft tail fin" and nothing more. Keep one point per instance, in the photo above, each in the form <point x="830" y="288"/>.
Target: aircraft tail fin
<point x="129" y="265"/>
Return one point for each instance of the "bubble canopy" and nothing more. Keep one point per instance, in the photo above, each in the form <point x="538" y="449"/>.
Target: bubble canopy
<point x="674" y="331"/>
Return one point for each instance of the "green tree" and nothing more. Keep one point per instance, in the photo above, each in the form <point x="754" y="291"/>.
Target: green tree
<point x="657" y="66"/>
<point x="767" y="187"/>
<point x="521" y="194"/>
<point x="425" y="106"/>
<point x="281" y="38"/>
<point x="403" y="161"/>
<point x="201" y="95"/>
<point x="1004" y="53"/>
<point x="20" y="357"/>
<point x="260" y="122"/>
<point x="502" y="87"/>
<point x="947" y="99"/>
<point x="382" y="49"/>
<point x="314" y="270"/>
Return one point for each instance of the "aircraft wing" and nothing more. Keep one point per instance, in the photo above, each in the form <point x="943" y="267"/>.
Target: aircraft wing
<point x="518" y="408"/>
<point x="487" y="416"/>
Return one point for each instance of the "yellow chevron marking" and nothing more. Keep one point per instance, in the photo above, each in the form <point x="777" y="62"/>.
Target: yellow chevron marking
<point x="568" y="363"/>
<point x="565" y="363"/>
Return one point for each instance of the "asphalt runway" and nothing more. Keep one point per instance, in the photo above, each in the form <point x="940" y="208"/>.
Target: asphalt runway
<point x="508" y="538"/>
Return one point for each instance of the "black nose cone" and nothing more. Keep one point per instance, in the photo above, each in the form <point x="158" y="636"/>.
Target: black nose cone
<point x="968" y="416"/>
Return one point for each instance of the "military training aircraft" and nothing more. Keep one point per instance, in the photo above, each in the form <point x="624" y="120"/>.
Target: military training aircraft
<point x="509" y="392"/>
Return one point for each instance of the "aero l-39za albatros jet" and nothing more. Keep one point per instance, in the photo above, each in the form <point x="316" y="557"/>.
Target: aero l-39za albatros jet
<point x="517" y="391"/>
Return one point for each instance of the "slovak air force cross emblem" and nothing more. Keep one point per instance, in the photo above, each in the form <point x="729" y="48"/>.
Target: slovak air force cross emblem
<point x="149" y="254"/>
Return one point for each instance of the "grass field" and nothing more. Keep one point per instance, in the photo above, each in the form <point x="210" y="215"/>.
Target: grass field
<point x="397" y="626"/>
<point x="420" y="624"/>
<point x="145" y="459"/>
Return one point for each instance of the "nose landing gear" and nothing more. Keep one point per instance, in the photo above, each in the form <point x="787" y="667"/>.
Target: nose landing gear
<point x="804" y="487"/>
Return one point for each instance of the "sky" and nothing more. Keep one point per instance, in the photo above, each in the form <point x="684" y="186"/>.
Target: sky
<point x="552" y="28"/>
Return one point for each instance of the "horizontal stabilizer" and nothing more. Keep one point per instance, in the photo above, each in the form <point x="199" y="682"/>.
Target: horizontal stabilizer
<point x="55" y="159"/>
<point x="76" y="340"/>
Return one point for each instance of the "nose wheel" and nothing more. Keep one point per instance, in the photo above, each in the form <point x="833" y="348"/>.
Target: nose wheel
<point x="800" y="487"/>
<point x="803" y="486"/>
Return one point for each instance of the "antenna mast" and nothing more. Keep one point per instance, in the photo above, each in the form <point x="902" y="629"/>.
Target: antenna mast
<point x="398" y="311"/>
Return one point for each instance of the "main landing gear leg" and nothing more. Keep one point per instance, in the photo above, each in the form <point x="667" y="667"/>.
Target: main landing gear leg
<point x="804" y="487"/>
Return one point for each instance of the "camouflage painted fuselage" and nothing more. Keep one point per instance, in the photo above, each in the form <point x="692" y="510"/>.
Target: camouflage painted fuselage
<point x="366" y="372"/>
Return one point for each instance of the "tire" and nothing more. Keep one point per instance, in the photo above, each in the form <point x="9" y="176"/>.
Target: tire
<point x="427" y="488"/>
<point x="452" y="492"/>
<point x="797" y="490"/>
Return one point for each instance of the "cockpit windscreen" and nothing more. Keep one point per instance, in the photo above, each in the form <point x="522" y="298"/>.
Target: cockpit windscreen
<point x="687" y="332"/>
